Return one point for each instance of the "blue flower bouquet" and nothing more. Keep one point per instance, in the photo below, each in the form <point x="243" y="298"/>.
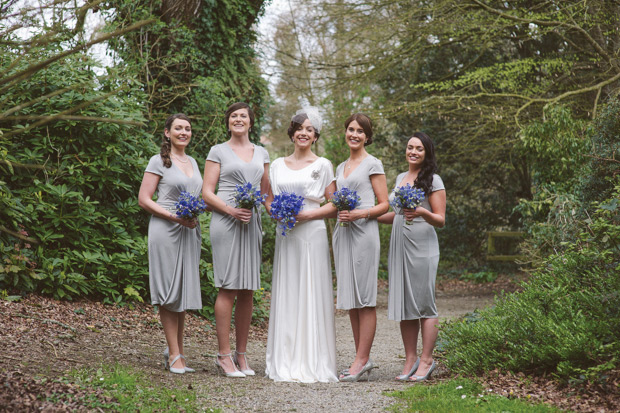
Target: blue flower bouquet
<point x="284" y="208"/>
<point x="407" y="197"/>
<point x="248" y="197"/>
<point x="345" y="200"/>
<point x="189" y="206"/>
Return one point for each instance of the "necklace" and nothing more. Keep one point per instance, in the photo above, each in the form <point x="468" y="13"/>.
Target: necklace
<point x="181" y="160"/>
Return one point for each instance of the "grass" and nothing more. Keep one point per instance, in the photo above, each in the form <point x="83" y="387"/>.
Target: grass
<point x="461" y="395"/>
<point x="134" y="391"/>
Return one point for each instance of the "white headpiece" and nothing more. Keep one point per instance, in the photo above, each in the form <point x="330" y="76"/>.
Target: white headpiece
<point x="312" y="112"/>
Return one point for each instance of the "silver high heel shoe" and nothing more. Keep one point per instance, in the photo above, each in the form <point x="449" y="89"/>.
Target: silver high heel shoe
<point x="167" y="356"/>
<point x="427" y="376"/>
<point x="248" y="371"/>
<point x="235" y="373"/>
<point x="168" y="365"/>
<point x="404" y="377"/>
<point x="355" y="377"/>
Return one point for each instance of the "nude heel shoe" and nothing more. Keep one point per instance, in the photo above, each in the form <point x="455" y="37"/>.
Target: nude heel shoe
<point x="248" y="371"/>
<point x="235" y="373"/>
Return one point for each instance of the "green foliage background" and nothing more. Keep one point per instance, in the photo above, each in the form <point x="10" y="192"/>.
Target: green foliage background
<point x="566" y="320"/>
<point x="75" y="137"/>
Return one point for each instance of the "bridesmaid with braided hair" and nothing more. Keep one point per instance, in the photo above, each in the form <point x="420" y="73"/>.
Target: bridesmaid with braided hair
<point x="174" y="243"/>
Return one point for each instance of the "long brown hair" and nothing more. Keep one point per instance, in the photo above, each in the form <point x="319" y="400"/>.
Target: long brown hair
<point x="166" y="146"/>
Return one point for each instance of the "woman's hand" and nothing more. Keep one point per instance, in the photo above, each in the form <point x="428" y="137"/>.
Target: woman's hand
<point x="242" y="214"/>
<point x="304" y="216"/>
<point x="189" y="223"/>
<point x="353" y="215"/>
<point x="410" y="214"/>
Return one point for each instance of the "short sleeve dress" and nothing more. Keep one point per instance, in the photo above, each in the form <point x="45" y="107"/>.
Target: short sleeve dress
<point x="356" y="246"/>
<point x="236" y="246"/>
<point x="301" y="342"/>
<point x="174" y="250"/>
<point x="412" y="263"/>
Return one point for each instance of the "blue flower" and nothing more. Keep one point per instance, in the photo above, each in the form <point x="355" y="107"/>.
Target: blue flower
<point x="189" y="206"/>
<point x="407" y="197"/>
<point x="247" y="196"/>
<point x="284" y="208"/>
<point x="345" y="199"/>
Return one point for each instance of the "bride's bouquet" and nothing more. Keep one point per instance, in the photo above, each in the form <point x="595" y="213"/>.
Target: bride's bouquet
<point x="284" y="208"/>
<point x="189" y="206"/>
<point x="407" y="197"/>
<point x="345" y="200"/>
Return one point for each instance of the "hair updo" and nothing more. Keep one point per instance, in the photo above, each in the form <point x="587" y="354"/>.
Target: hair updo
<point x="296" y="123"/>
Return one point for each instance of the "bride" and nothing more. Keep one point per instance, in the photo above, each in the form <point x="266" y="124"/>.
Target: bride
<point x="301" y="345"/>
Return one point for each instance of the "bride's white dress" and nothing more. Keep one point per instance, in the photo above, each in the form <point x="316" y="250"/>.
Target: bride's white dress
<point x="301" y="344"/>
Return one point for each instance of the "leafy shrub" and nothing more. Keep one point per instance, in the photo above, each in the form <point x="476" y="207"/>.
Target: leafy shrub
<point x="565" y="321"/>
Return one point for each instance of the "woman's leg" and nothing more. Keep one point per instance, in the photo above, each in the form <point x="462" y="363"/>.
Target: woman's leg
<point x="170" y="323"/>
<point x="367" y="317"/>
<point x="354" y="316"/>
<point x="223" y="314"/>
<point x="429" y="337"/>
<point x="243" y="319"/>
<point x="409" y="330"/>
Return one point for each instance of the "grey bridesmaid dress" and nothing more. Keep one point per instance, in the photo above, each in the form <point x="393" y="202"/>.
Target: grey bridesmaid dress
<point x="356" y="246"/>
<point x="236" y="246"/>
<point x="412" y="264"/>
<point x="174" y="250"/>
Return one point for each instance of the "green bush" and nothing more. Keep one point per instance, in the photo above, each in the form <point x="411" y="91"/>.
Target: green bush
<point x="566" y="321"/>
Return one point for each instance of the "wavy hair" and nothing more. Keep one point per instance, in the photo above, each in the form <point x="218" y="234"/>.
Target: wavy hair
<point x="166" y="146"/>
<point x="424" y="181"/>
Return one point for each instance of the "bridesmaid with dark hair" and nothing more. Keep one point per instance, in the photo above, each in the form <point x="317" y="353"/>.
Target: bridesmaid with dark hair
<point x="174" y="243"/>
<point x="356" y="245"/>
<point x="236" y="234"/>
<point x="414" y="257"/>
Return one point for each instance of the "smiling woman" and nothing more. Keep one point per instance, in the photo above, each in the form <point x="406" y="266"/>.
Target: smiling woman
<point x="174" y="243"/>
<point x="301" y="289"/>
<point x="236" y="233"/>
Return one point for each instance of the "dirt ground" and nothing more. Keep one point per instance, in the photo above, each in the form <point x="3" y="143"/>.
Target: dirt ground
<point x="43" y="338"/>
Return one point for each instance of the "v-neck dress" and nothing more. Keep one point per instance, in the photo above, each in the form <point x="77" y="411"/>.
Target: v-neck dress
<point x="174" y="250"/>
<point x="301" y="342"/>
<point x="357" y="246"/>
<point x="236" y="246"/>
<point x="412" y="263"/>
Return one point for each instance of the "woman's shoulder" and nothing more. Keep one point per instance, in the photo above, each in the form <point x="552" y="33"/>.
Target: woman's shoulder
<point x="262" y="152"/>
<point x="437" y="183"/>
<point x="323" y="161"/>
<point x="156" y="160"/>
<point x="375" y="164"/>
<point x="156" y="165"/>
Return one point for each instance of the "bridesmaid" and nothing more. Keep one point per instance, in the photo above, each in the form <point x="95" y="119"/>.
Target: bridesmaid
<point x="413" y="258"/>
<point x="356" y="247"/>
<point x="174" y="243"/>
<point x="236" y="234"/>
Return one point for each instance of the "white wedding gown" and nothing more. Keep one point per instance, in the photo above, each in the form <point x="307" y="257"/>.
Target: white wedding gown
<point x="301" y="344"/>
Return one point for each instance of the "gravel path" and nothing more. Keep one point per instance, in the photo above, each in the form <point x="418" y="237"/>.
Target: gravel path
<point x="263" y="395"/>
